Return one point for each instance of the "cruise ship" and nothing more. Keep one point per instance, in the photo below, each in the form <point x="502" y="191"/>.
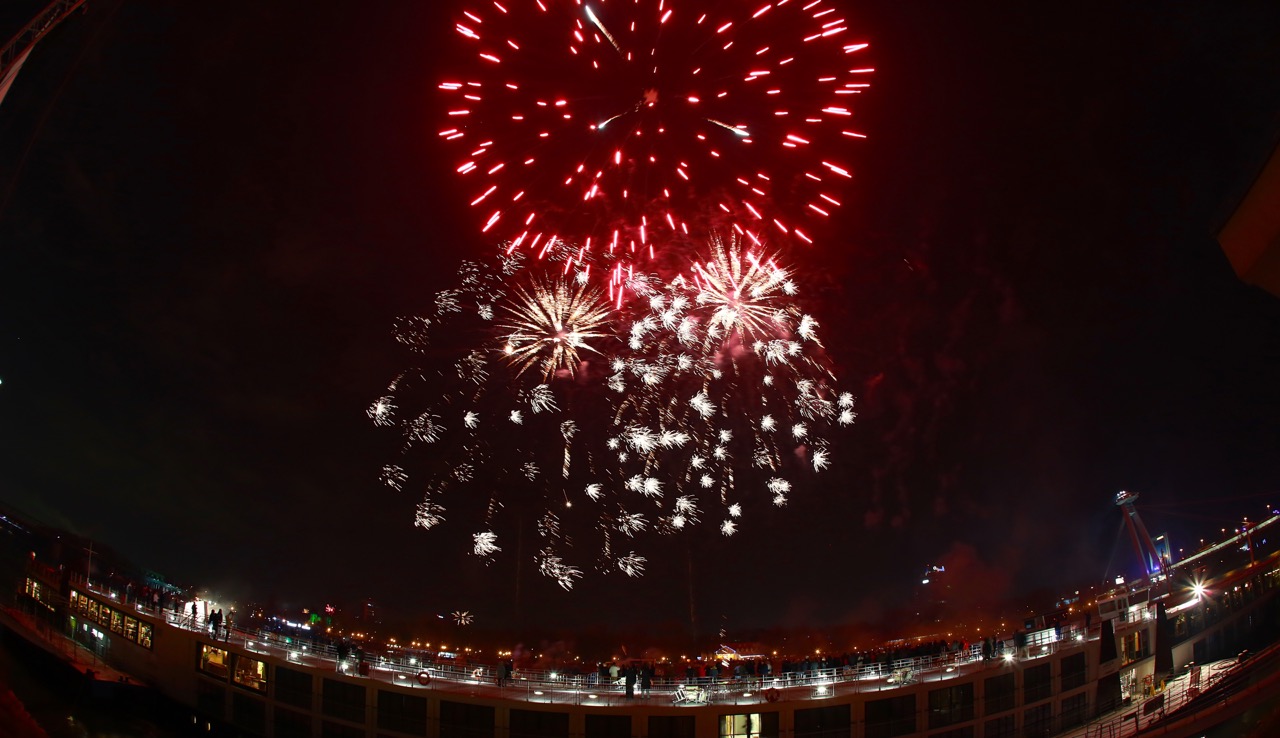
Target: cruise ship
<point x="1180" y="648"/>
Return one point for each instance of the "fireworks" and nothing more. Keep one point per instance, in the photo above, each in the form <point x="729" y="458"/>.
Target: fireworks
<point x="726" y="366"/>
<point x="671" y="150"/>
<point x="602" y="122"/>
<point x="463" y="617"/>
<point x="549" y="324"/>
<point x="710" y="397"/>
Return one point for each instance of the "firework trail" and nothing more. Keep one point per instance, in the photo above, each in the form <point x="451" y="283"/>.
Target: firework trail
<point x="627" y="125"/>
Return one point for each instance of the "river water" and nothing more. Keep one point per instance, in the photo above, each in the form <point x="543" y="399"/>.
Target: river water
<point x="59" y="701"/>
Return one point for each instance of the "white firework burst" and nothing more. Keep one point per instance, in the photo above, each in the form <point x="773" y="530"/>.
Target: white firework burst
<point x="702" y="404"/>
<point x="485" y="544"/>
<point x="632" y="565"/>
<point x="551" y="324"/>
<point x="428" y="515"/>
<point x="631" y="523"/>
<point x="412" y="331"/>
<point x="424" y="429"/>
<point x="641" y="439"/>
<point x="394" y="476"/>
<point x="808" y="329"/>
<point x="541" y="399"/>
<point x="382" y="412"/>
<point x="447" y="302"/>
<point x="551" y="565"/>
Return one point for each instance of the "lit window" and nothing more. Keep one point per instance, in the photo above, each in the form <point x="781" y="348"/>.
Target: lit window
<point x="250" y="673"/>
<point x="213" y="660"/>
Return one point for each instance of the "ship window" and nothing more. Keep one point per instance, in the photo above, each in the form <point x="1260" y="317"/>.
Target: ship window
<point x="608" y="726"/>
<point x="950" y="705"/>
<point x="249" y="713"/>
<point x="213" y="660"/>
<point x="823" y="722"/>
<point x="334" y="730"/>
<point x="1037" y="684"/>
<point x="1133" y="647"/>
<point x="343" y="700"/>
<point x="131" y="628"/>
<point x="1038" y="720"/>
<point x="250" y="673"/>
<point x="211" y="699"/>
<point x="1107" y="606"/>
<point x="467" y="721"/>
<point x="763" y="724"/>
<point x="671" y="726"/>
<point x="117" y="622"/>
<point x="1073" y="672"/>
<point x="891" y="717"/>
<point x="402" y="713"/>
<point x="144" y="635"/>
<point x="1073" y="710"/>
<point x="293" y="687"/>
<point x="290" y="724"/>
<point x="1001" y="727"/>
<point x="93" y="609"/>
<point x="999" y="693"/>
<point x="539" y="724"/>
<point x="104" y="615"/>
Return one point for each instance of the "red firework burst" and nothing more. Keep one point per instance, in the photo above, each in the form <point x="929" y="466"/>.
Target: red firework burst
<point x="615" y="124"/>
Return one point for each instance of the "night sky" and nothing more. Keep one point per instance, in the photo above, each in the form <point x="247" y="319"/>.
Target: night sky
<point x="211" y="215"/>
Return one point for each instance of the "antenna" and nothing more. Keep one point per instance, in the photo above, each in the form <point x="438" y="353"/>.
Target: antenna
<point x="1152" y="561"/>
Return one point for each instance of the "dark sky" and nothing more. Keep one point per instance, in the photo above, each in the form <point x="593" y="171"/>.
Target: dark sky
<point x="211" y="215"/>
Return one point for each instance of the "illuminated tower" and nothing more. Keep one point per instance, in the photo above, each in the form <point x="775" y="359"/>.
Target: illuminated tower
<point x="1153" y="562"/>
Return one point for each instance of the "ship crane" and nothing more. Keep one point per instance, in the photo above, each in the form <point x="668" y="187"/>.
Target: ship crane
<point x="16" y="51"/>
<point x="1152" y="561"/>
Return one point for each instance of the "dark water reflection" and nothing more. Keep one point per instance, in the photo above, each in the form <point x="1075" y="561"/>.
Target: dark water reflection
<point x="60" y="702"/>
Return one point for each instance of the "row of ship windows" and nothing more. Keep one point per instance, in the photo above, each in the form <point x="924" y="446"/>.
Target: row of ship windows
<point x="244" y="671"/>
<point x="408" y="714"/>
<point x="132" y="629"/>
<point x="948" y="706"/>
